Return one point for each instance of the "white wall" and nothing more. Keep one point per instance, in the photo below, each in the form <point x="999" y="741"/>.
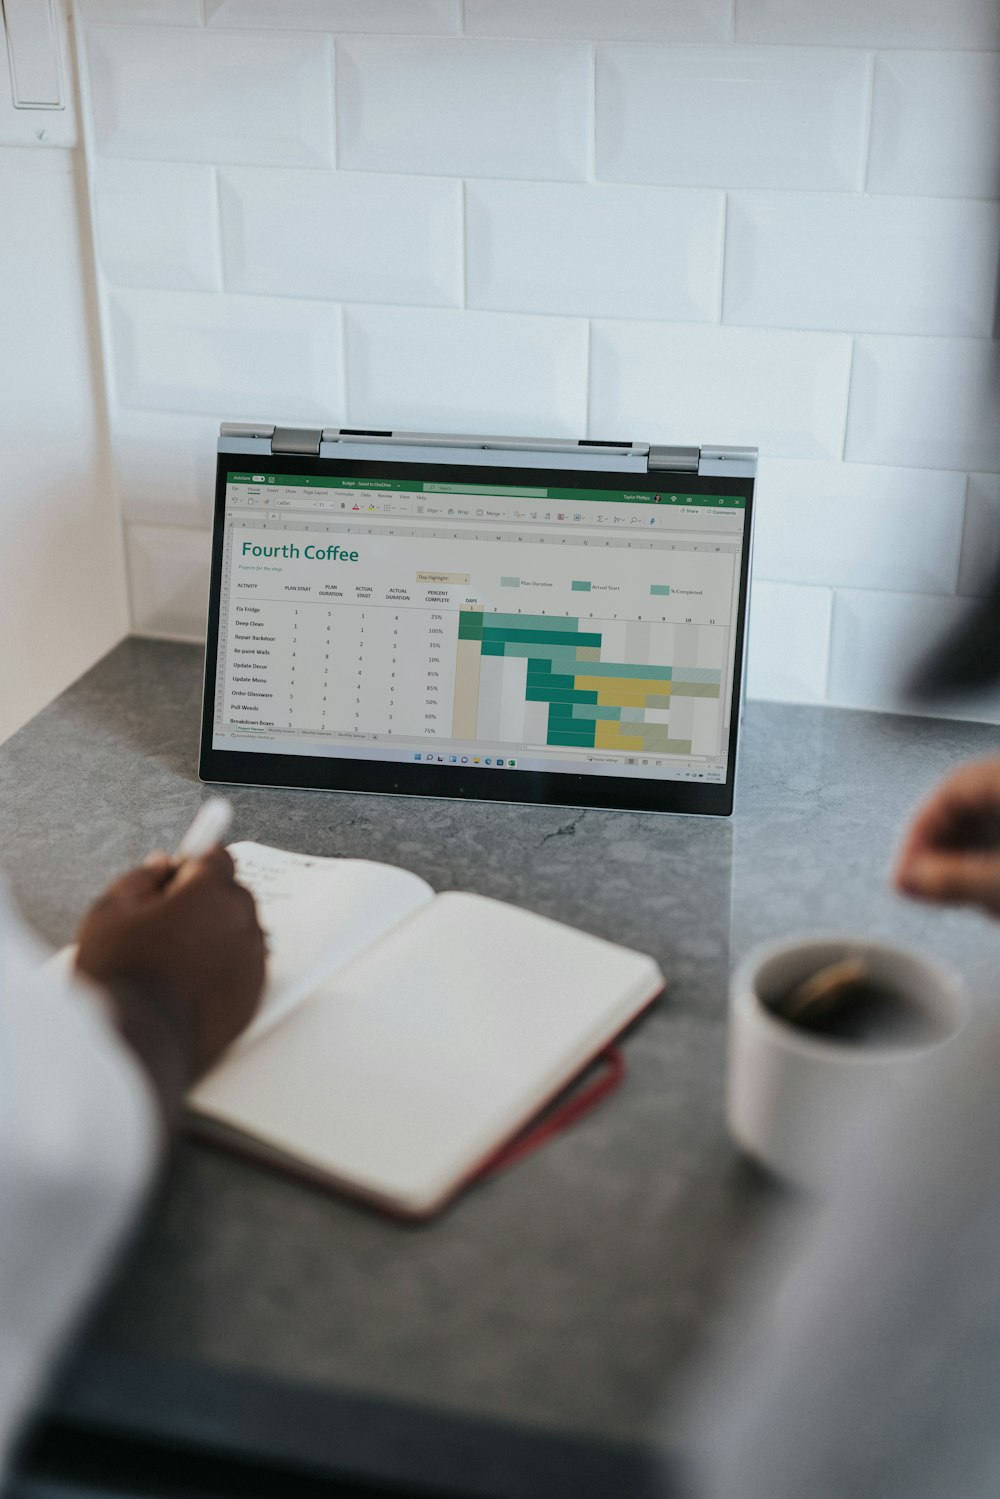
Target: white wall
<point x="62" y="575"/>
<point x="735" y="221"/>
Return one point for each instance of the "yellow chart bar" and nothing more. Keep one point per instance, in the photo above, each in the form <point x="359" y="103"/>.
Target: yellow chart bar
<point x="608" y="735"/>
<point x="615" y="698"/>
<point x="631" y="686"/>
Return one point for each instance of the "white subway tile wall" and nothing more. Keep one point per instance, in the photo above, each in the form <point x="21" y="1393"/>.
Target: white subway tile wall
<point x="143" y="12"/>
<point x="784" y="392"/>
<point x="156" y="224"/>
<point x="858" y="526"/>
<point x="979" y="567"/>
<point x="789" y="642"/>
<point x="164" y="466"/>
<point x="597" y="20"/>
<point x="903" y="623"/>
<point x="347" y="243"/>
<point x="931" y="402"/>
<point x="175" y="351"/>
<point x="468" y="371"/>
<point x="738" y="221"/>
<point x="599" y="251"/>
<point x="936" y="124"/>
<point x="465" y="108"/>
<point x="874" y="265"/>
<point x="861" y="23"/>
<point x="168" y="579"/>
<point x="433" y="17"/>
<point x="732" y="116"/>
<point x="193" y="95"/>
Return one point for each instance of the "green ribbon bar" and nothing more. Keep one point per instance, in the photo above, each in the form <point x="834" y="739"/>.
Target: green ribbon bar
<point x="525" y="493"/>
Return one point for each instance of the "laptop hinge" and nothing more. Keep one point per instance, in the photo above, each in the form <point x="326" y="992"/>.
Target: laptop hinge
<point x="304" y="440"/>
<point x="674" y="460"/>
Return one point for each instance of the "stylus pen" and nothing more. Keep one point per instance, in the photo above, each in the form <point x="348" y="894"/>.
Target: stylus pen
<point x="208" y="828"/>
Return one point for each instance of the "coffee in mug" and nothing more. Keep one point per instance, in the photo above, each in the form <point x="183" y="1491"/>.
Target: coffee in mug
<point x="820" y="1029"/>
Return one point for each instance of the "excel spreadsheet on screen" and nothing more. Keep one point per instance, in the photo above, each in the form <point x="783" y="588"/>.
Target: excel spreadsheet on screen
<point x="517" y="627"/>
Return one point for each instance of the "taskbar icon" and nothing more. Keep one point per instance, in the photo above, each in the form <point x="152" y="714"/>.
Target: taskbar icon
<point x="506" y="762"/>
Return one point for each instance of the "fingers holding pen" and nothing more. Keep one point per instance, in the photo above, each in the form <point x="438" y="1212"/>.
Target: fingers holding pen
<point x="184" y="930"/>
<point x="215" y="864"/>
<point x="138" y="886"/>
<point x="210" y="882"/>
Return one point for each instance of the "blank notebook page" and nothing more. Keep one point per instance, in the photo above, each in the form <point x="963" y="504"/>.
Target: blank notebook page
<point x="429" y="1050"/>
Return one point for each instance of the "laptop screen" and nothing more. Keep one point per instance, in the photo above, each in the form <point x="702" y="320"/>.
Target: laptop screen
<point x="504" y="626"/>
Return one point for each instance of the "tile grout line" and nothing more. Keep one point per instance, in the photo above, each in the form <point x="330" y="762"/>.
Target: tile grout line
<point x="847" y="403"/>
<point x="591" y="176"/>
<point x="463" y="230"/>
<point x="220" y="254"/>
<point x="966" y="496"/>
<point x="869" y="118"/>
<point x="344" y="365"/>
<point x="828" y="663"/>
<point x="723" y="258"/>
<point x="588" y="385"/>
<point x="334" y="95"/>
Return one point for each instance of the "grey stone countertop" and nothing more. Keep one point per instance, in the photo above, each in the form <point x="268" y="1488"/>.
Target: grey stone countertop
<point x="534" y="1339"/>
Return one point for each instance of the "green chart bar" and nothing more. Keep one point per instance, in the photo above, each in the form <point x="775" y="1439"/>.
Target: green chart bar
<point x="534" y="637"/>
<point x="614" y="706"/>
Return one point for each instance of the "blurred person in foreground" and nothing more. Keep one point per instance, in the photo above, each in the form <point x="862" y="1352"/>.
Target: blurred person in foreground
<point x="94" y="1065"/>
<point x="869" y="1367"/>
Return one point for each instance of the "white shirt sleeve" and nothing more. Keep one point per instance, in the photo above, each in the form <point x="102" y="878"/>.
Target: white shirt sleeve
<point x="869" y="1357"/>
<point x="79" y="1136"/>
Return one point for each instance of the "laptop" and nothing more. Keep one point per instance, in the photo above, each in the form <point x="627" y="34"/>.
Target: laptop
<point x="507" y="619"/>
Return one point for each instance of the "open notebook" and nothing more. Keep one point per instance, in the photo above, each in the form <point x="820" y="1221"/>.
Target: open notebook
<point x="405" y="1036"/>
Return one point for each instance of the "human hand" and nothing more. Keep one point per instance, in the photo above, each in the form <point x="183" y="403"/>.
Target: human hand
<point x="181" y="953"/>
<point x="951" y="852"/>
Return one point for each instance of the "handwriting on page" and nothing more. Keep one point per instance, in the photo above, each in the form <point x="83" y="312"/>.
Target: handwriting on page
<point x="318" y="914"/>
<point x="267" y="881"/>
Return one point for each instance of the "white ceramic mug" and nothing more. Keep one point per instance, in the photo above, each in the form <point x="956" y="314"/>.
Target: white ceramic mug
<point x="793" y="1095"/>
